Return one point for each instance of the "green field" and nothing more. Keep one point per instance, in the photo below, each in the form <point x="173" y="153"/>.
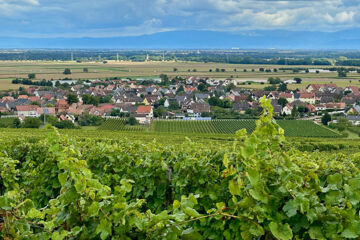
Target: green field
<point x="77" y="184"/>
<point x="119" y="125"/>
<point x="292" y="128"/>
<point x="96" y="70"/>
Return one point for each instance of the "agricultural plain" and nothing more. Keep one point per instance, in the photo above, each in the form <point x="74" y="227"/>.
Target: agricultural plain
<point x="98" y="70"/>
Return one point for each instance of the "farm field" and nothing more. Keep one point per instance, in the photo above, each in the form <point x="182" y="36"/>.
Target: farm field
<point x="98" y="70"/>
<point x="291" y="128"/>
<point x="156" y="188"/>
<point x="119" y="125"/>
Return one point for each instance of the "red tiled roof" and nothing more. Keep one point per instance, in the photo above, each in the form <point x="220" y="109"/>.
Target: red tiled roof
<point x="144" y="109"/>
<point x="23" y="97"/>
<point x="307" y="95"/>
<point x="27" y="108"/>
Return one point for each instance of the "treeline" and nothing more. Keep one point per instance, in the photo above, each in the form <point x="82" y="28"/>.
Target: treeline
<point x="323" y="58"/>
<point x="26" y="81"/>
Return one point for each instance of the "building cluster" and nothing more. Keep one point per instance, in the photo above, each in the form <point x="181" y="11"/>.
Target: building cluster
<point x="186" y="98"/>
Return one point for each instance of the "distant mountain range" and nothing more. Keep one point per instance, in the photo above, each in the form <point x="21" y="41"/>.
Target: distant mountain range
<point x="259" y="39"/>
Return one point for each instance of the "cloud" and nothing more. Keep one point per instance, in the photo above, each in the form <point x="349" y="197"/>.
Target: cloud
<point x="96" y="18"/>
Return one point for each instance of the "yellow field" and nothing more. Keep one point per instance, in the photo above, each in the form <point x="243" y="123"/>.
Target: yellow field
<point x="98" y="70"/>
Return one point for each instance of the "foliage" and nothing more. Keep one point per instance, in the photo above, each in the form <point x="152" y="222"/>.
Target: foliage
<point x="132" y="121"/>
<point x="272" y="80"/>
<point x="72" y="98"/>
<point x="88" y="99"/>
<point x="67" y="71"/>
<point x="119" y="125"/>
<point x="64" y="124"/>
<point x="58" y="188"/>
<point x="86" y="119"/>
<point x="292" y="128"/>
<point x="31" y="75"/>
<point x="31" y="122"/>
<point x="325" y="119"/>
<point x="224" y="103"/>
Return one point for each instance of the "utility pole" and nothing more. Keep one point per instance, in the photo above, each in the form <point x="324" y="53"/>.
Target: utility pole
<point x="117" y="57"/>
<point x="72" y="56"/>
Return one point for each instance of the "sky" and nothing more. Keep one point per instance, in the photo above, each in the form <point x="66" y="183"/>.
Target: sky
<point x="119" y="18"/>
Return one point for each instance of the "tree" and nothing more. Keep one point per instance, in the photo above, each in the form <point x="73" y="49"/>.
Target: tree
<point x="325" y="119"/>
<point x="31" y="122"/>
<point x="282" y="102"/>
<point x="272" y="80"/>
<point x="301" y="109"/>
<point x="210" y="70"/>
<point x="85" y="70"/>
<point x="162" y="101"/>
<point x="229" y="87"/>
<point x="164" y="79"/>
<point x="72" y="98"/>
<point x="16" y="123"/>
<point x="180" y="89"/>
<point x="294" y="112"/>
<point x="65" y="124"/>
<point x="342" y="74"/>
<point x="159" y="112"/>
<point x="202" y="87"/>
<point x="67" y="71"/>
<point x="49" y="119"/>
<point x="132" y="121"/>
<point x="217" y="70"/>
<point x="31" y="75"/>
<point x="86" y="119"/>
<point x="298" y="80"/>
<point x="174" y="105"/>
<point x="282" y="87"/>
<point x="175" y="69"/>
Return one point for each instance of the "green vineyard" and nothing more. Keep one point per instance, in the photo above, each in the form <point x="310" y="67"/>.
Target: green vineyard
<point x="214" y="126"/>
<point x="59" y="188"/>
<point x="292" y="128"/>
<point x="119" y="125"/>
<point x="6" y="122"/>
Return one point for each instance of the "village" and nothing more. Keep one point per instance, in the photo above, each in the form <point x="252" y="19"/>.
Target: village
<point x="190" y="98"/>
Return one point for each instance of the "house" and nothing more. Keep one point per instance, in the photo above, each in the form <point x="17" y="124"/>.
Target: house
<point x="321" y="87"/>
<point x="307" y="98"/>
<point x="326" y="99"/>
<point x="288" y="96"/>
<point x="241" y="106"/>
<point x="199" y="107"/>
<point x="277" y="109"/>
<point x="144" y="114"/>
<point x="61" y="105"/>
<point x="290" y="81"/>
<point x="34" y="99"/>
<point x="354" y="110"/>
<point x="46" y="110"/>
<point x="23" y="97"/>
<point x="352" y="89"/>
<point x="27" y="110"/>
<point x="339" y="105"/>
<point x="355" y="120"/>
<point x="201" y="96"/>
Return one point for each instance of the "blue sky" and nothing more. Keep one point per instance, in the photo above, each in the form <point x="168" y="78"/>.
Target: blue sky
<point x="117" y="18"/>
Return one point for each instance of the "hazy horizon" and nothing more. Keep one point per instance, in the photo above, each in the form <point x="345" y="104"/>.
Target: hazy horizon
<point x="166" y="24"/>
